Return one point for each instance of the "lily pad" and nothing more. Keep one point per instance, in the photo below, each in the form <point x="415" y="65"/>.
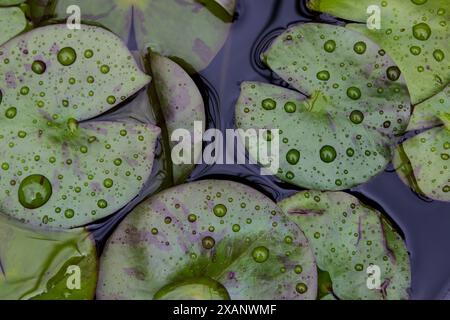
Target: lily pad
<point x="341" y="136"/>
<point x="5" y="3"/>
<point x="431" y="112"/>
<point x="46" y="264"/>
<point x="207" y="240"/>
<point x="12" y="22"/>
<point x="347" y="238"/>
<point x="186" y="30"/>
<point x="181" y="104"/>
<point x="59" y="168"/>
<point x="423" y="163"/>
<point x="414" y="32"/>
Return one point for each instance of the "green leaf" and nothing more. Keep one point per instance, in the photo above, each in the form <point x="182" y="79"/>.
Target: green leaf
<point x="12" y="22"/>
<point x="5" y="3"/>
<point x="39" y="264"/>
<point x="182" y="104"/>
<point x="347" y="237"/>
<point x="431" y="112"/>
<point x="184" y="30"/>
<point x="423" y="161"/>
<point x="414" y="32"/>
<point x="58" y="169"/>
<point x="207" y="240"/>
<point x="341" y="136"/>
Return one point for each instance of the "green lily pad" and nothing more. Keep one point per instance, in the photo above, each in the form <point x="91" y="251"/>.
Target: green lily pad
<point x="186" y="30"/>
<point x="414" y="32"/>
<point x="207" y="240"/>
<point x="423" y="163"/>
<point x="12" y="22"/>
<point x="46" y="264"/>
<point x="5" y="3"/>
<point x="181" y="104"/>
<point x="341" y="136"/>
<point x="431" y="112"/>
<point x="348" y="237"/>
<point x="228" y="5"/>
<point x="59" y="168"/>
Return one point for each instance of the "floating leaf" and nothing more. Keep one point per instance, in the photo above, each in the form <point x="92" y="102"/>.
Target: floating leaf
<point x="423" y="163"/>
<point x="207" y="240"/>
<point x="228" y="5"/>
<point x="431" y="112"/>
<point x="414" y="32"/>
<point x="12" y="22"/>
<point x="186" y="30"/>
<point x="341" y="136"/>
<point x="56" y="168"/>
<point x="5" y="3"/>
<point x="45" y="264"/>
<point x="348" y="238"/>
<point x="182" y="104"/>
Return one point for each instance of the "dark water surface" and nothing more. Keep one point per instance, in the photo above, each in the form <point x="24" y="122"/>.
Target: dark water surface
<point x="425" y="224"/>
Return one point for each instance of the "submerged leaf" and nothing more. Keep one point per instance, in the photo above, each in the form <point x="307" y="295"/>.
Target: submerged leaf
<point x="186" y="30"/>
<point x="182" y="104"/>
<point x="45" y="264"/>
<point x="12" y="22"/>
<point x="57" y="170"/>
<point x="347" y="238"/>
<point x="341" y="135"/>
<point x="207" y="240"/>
<point x="414" y="32"/>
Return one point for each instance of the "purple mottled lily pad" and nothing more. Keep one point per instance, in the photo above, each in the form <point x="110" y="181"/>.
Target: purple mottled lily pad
<point x="207" y="240"/>
<point x="351" y="242"/>
<point x="12" y="22"/>
<point x="183" y="29"/>
<point x="46" y="264"/>
<point x="340" y="136"/>
<point x="58" y="168"/>
<point x="415" y="33"/>
<point x="182" y="104"/>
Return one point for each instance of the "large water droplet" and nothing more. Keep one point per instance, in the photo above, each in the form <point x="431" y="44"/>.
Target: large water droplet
<point x="357" y="117"/>
<point x="38" y="67"/>
<point x="360" y="47"/>
<point x="301" y="288"/>
<point x="393" y="73"/>
<point x="323" y="75"/>
<point x="438" y="55"/>
<point x="354" y="93"/>
<point x="328" y="154"/>
<point x="422" y="31"/>
<point x="10" y="113"/>
<point x="269" y="104"/>
<point x="220" y="210"/>
<point x="208" y="243"/>
<point x="34" y="191"/>
<point x="67" y="56"/>
<point x="260" y="254"/>
<point x="330" y="46"/>
<point x="293" y="157"/>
